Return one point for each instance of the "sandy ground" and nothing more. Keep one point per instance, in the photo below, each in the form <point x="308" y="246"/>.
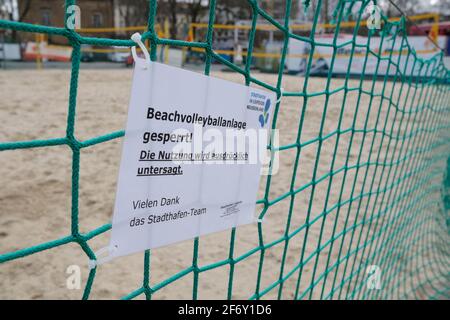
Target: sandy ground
<point x="35" y="196"/>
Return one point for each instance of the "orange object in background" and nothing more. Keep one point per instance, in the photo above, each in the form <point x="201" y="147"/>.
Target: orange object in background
<point x="43" y="51"/>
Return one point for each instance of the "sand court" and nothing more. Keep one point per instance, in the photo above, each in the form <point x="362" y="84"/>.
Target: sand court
<point x="36" y="203"/>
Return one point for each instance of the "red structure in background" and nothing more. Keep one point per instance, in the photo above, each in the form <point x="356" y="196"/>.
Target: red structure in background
<point x="429" y="28"/>
<point x="420" y="30"/>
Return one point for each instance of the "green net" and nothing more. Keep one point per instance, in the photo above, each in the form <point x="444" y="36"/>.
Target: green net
<point x="384" y="198"/>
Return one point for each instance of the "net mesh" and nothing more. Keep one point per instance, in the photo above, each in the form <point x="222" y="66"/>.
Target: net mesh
<point x="385" y="197"/>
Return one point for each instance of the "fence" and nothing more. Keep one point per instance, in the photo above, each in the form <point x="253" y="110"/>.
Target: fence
<point x="373" y="221"/>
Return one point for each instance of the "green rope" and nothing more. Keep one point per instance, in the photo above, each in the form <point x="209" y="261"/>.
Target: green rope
<point x="391" y="217"/>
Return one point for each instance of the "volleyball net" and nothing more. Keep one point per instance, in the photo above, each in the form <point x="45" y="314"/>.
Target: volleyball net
<point x="367" y="216"/>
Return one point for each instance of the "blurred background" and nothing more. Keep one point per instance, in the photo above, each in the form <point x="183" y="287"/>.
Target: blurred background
<point x="37" y="205"/>
<point x="428" y="24"/>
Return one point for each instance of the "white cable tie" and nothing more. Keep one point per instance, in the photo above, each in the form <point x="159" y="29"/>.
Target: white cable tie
<point x="281" y="95"/>
<point x="258" y="220"/>
<point x="136" y="37"/>
<point x="93" y="263"/>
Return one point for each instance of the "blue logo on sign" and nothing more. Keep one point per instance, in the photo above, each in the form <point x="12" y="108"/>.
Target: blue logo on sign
<point x="263" y="118"/>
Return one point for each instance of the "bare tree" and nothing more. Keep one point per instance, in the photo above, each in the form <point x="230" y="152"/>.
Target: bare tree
<point x="173" y="9"/>
<point x="24" y="9"/>
<point x="325" y="14"/>
<point x="173" y="18"/>
<point x="232" y="10"/>
<point x="133" y="12"/>
<point x="6" y="9"/>
<point x="327" y="8"/>
<point x="195" y="8"/>
<point x="414" y="7"/>
<point x="170" y="9"/>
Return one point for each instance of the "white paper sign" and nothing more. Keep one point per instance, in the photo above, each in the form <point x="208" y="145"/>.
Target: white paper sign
<point x="171" y="188"/>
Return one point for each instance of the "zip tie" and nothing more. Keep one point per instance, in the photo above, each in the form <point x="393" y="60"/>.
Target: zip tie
<point x="258" y="220"/>
<point x="93" y="263"/>
<point x="281" y="95"/>
<point x="136" y="37"/>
